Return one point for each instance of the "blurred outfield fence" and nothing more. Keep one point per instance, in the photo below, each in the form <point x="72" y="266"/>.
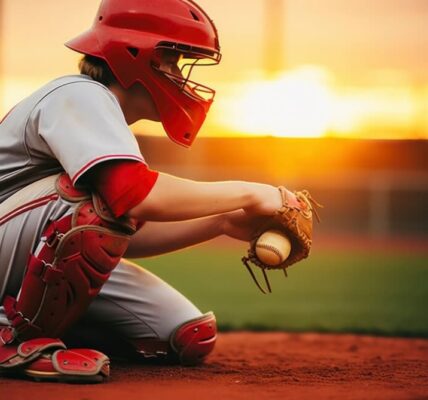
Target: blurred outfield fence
<point x="375" y="188"/>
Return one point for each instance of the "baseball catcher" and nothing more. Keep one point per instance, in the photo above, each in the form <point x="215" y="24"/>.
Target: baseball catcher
<point x="77" y="198"/>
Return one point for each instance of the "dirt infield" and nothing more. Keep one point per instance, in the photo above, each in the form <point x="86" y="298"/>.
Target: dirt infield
<point x="264" y="366"/>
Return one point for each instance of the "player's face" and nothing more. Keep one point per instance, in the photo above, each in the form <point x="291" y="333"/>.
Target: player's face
<point x="178" y="68"/>
<point x="169" y="61"/>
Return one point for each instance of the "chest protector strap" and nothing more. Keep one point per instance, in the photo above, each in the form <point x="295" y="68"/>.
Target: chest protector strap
<point x="78" y="255"/>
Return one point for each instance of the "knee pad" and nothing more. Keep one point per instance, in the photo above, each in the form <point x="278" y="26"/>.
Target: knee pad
<point x="77" y="257"/>
<point x="195" y="339"/>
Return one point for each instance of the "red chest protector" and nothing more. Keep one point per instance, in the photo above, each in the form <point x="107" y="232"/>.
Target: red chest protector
<point x="79" y="253"/>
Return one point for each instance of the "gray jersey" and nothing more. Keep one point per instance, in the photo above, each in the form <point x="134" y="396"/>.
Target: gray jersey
<point x="70" y="124"/>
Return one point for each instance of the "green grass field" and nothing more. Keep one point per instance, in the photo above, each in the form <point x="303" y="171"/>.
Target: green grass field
<point x="361" y="292"/>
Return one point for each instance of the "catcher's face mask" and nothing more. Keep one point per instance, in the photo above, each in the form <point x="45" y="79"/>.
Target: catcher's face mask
<point x="179" y="62"/>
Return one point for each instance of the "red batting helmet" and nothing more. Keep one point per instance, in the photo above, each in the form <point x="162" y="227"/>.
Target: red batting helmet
<point x="130" y="35"/>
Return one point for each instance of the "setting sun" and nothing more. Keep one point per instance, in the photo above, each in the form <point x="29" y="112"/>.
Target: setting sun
<point x="297" y="104"/>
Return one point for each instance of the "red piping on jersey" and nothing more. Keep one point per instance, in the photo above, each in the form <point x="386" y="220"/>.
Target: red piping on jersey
<point x="27" y="207"/>
<point x="90" y="164"/>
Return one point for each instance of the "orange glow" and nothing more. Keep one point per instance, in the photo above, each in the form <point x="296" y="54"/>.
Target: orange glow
<point x="296" y="104"/>
<point x="306" y="102"/>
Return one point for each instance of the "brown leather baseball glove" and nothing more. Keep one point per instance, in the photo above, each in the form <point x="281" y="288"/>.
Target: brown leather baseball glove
<point x="296" y="223"/>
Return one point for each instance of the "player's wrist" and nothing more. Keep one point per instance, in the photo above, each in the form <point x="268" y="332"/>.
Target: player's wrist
<point x="264" y="200"/>
<point x="247" y="195"/>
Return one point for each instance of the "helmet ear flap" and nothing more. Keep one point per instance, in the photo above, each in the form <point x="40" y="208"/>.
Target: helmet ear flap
<point x="125" y="62"/>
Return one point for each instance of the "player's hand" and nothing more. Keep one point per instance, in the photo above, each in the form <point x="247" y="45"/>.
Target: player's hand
<point x="241" y="225"/>
<point x="266" y="200"/>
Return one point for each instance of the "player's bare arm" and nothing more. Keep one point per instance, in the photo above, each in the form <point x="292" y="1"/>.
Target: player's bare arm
<point x="175" y="199"/>
<point x="156" y="238"/>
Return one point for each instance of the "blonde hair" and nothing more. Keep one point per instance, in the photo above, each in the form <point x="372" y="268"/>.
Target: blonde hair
<point x="97" y="69"/>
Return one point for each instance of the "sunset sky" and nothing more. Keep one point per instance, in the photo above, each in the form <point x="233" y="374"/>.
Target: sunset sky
<point x="338" y="68"/>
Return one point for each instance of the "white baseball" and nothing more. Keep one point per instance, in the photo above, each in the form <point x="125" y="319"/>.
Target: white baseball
<point x="273" y="247"/>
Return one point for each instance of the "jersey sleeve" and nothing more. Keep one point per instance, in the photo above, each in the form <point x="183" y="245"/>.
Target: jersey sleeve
<point x="122" y="184"/>
<point x="83" y="125"/>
